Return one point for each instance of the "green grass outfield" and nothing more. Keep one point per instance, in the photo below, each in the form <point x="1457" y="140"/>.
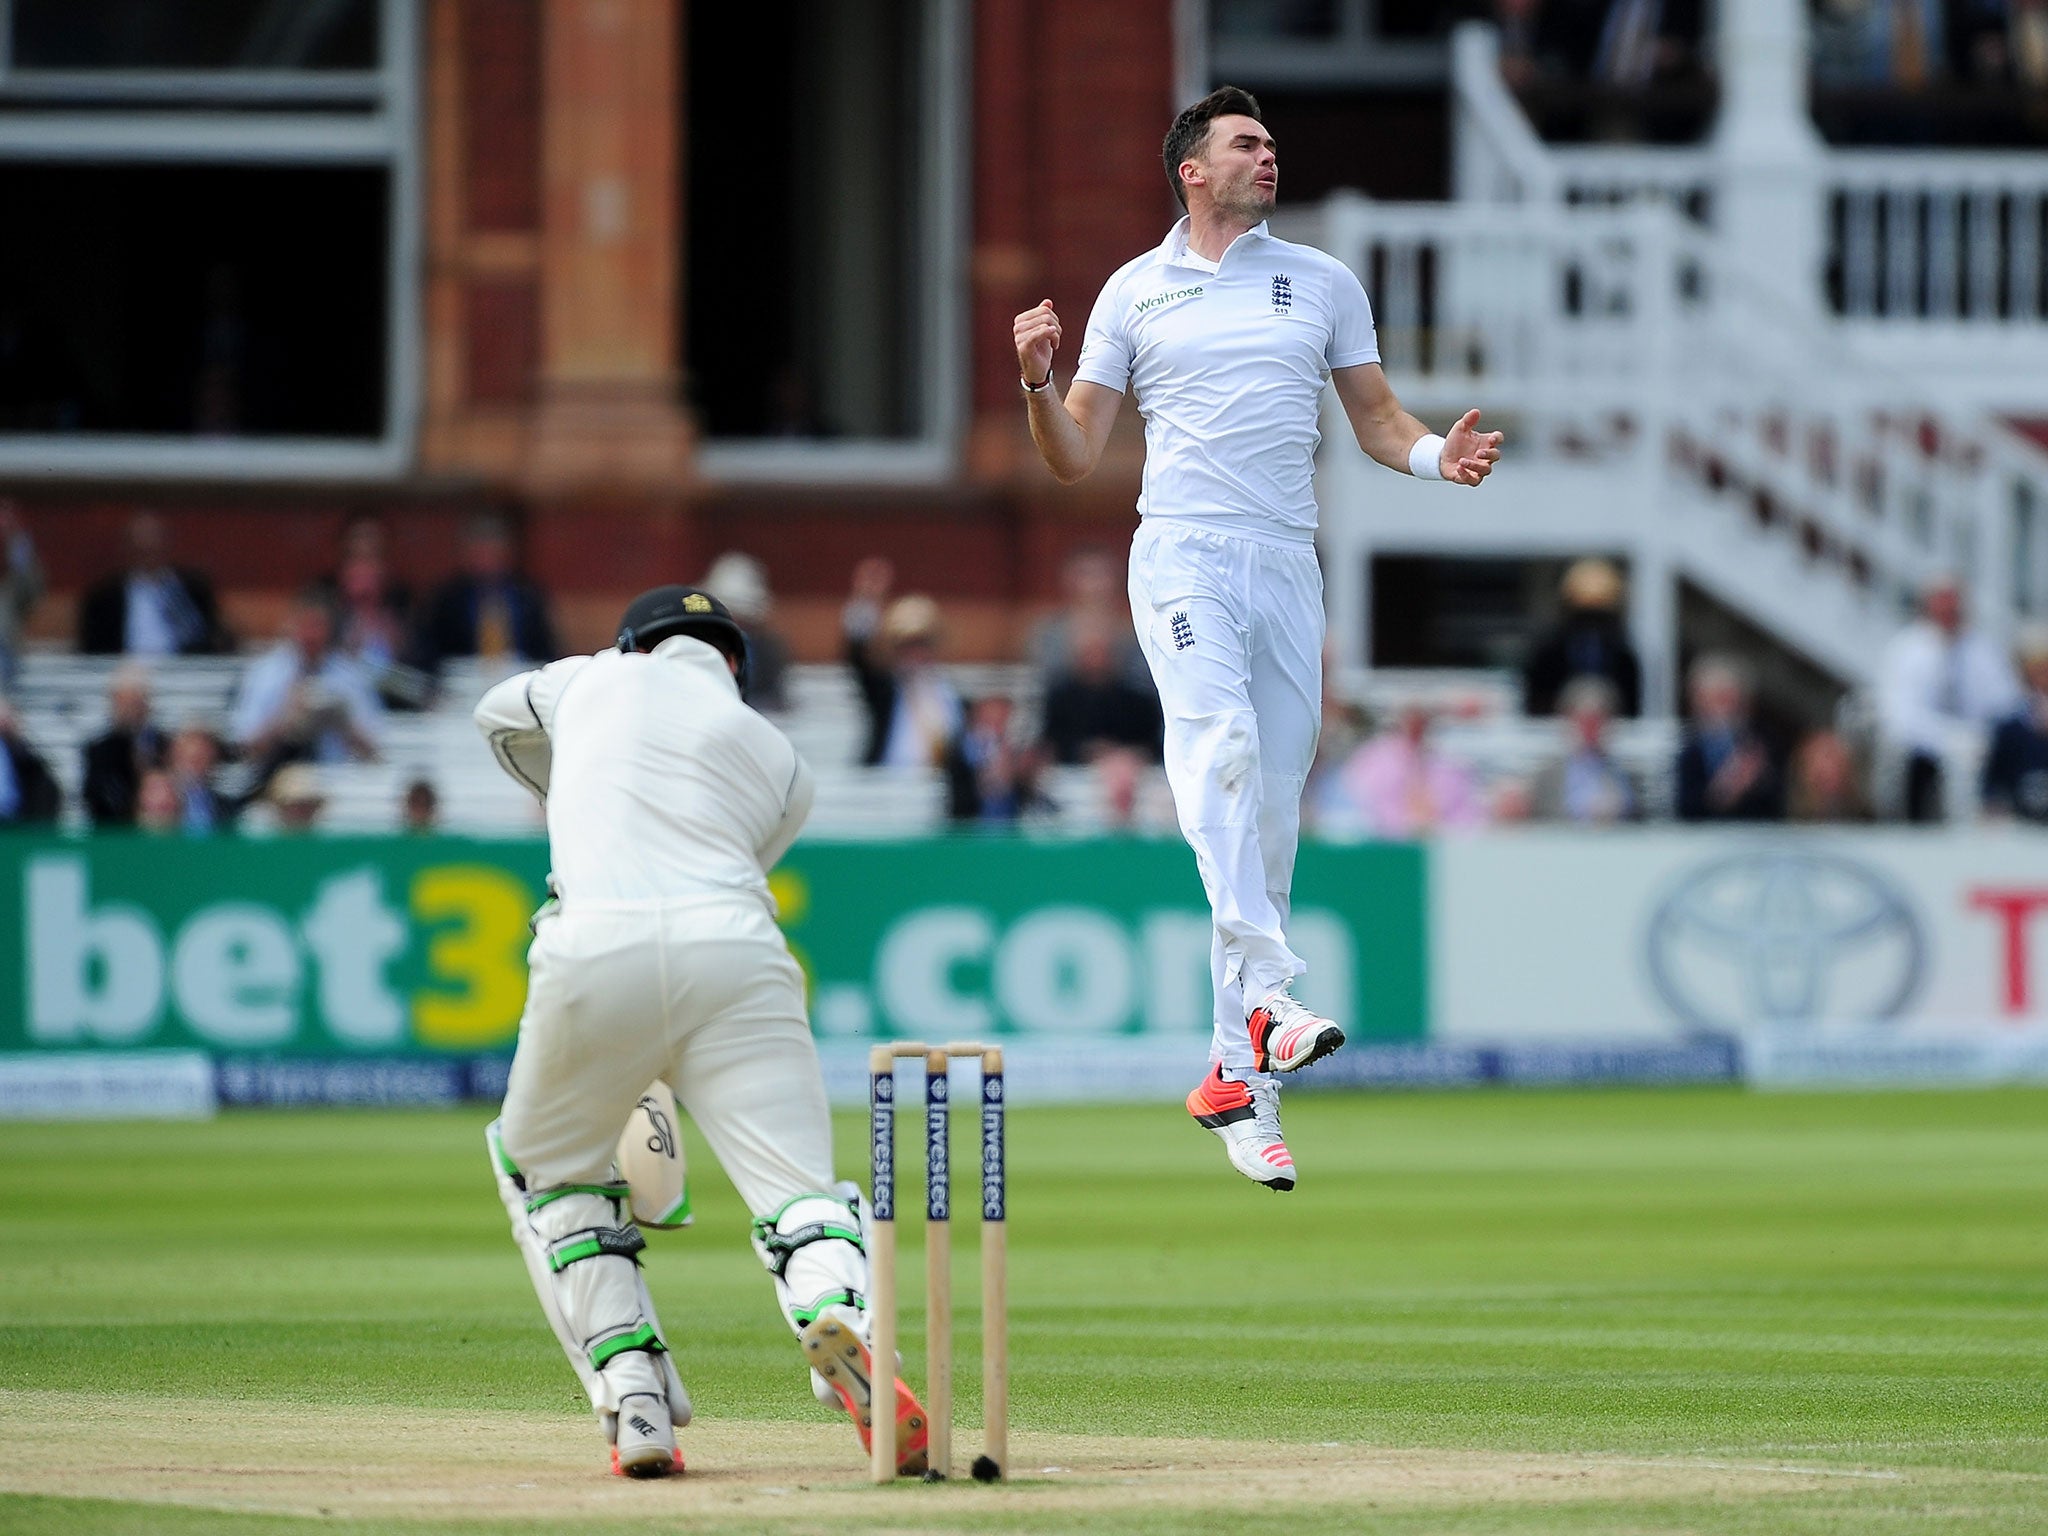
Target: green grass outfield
<point x="1700" y="1289"/>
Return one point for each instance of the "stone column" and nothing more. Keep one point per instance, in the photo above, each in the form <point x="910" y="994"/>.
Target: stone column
<point x="609" y="415"/>
<point x="1769" y="205"/>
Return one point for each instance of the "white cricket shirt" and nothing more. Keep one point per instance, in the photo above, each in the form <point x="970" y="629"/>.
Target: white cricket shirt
<point x="1228" y="360"/>
<point x="658" y="781"/>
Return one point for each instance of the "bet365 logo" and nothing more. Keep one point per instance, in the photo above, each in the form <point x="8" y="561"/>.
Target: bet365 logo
<point x="446" y="968"/>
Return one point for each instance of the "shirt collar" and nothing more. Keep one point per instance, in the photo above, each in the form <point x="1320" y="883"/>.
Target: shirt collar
<point x="1174" y="248"/>
<point x="692" y="652"/>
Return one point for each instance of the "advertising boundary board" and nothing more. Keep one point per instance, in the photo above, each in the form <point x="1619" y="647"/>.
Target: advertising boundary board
<point x="365" y="970"/>
<point x="391" y="971"/>
<point x="1669" y="936"/>
<point x="1042" y="1070"/>
<point x="107" y="1085"/>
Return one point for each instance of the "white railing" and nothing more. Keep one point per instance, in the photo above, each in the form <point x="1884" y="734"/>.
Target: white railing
<point x="1949" y="239"/>
<point x="1944" y="238"/>
<point x="1497" y="157"/>
<point x="1733" y="427"/>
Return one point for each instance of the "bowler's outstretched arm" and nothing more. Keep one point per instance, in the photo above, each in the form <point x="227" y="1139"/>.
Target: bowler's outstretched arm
<point x="1389" y="434"/>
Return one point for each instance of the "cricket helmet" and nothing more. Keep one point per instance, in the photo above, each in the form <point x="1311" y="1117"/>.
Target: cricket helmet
<point x="655" y="615"/>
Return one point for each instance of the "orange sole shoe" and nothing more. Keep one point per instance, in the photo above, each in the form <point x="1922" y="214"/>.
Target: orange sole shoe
<point x="1217" y="1102"/>
<point x="653" y="1469"/>
<point x="841" y="1356"/>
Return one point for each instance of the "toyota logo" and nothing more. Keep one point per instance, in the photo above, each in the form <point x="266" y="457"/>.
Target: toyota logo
<point x="1784" y="937"/>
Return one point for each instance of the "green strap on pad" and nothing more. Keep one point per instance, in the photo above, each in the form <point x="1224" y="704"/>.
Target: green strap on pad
<point x="625" y="1341"/>
<point x="616" y="1193"/>
<point x="777" y="1248"/>
<point x="594" y="1242"/>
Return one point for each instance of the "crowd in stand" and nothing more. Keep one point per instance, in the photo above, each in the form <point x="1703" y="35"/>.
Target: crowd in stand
<point x="357" y="644"/>
<point x="1942" y="687"/>
<point x="1884" y="71"/>
<point x="1894" y="45"/>
<point x="1941" y="684"/>
<point x="354" y="645"/>
<point x="1099" y="708"/>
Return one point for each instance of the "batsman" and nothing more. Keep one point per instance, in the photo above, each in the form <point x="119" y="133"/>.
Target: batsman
<point x="658" y="958"/>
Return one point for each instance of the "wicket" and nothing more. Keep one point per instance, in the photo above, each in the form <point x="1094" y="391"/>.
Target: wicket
<point x="995" y="1346"/>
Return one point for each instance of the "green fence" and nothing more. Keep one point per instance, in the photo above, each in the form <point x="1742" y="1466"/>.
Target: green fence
<point x="380" y="947"/>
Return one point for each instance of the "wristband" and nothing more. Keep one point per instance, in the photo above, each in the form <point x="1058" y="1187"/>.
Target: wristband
<point x="1426" y="458"/>
<point x="1035" y="389"/>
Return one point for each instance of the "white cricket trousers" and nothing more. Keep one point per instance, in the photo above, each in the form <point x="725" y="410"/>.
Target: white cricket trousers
<point x="700" y="992"/>
<point x="1232" y="628"/>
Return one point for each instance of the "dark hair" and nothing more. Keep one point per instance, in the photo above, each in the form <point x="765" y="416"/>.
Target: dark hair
<point x="1190" y="131"/>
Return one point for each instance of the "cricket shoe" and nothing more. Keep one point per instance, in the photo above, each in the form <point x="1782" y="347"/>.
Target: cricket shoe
<point x="839" y="1355"/>
<point x="645" y="1444"/>
<point x="1247" y="1117"/>
<point x="1286" y="1036"/>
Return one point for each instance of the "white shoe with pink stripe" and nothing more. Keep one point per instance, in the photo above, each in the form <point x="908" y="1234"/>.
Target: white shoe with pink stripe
<point x="1287" y="1036"/>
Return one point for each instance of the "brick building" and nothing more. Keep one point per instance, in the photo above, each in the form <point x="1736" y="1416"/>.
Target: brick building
<point x="683" y="281"/>
<point x="656" y="279"/>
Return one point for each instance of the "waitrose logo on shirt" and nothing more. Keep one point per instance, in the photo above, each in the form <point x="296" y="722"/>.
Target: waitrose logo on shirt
<point x="1172" y="295"/>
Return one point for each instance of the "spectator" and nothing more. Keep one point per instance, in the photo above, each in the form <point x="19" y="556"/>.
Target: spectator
<point x="1091" y="708"/>
<point x="1725" y="770"/>
<point x="1121" y="777"/>
<point x="1401" y="786"/>
<point x="304" y="699"/>
<point x="370" y="615"/>
<point x="29" y="796"/>
<point x="913" y="710"/>
<point x="487" y="608"/>
<point x="1979" y="40"/>
<point x="156" y="804"/>
<point x="364" y="538"/>
<point x="1824" y="784"/>
<point x="151" y="607"/>
<point x="21" y="586"/>
<point x="1092" y="585"/>
<point x="989" y="776"/>
<point x="1878" y="43"/>
<point x="1939" y="679"/>
<point x="420" y="811"/>
<point x="1516" y="20"/>
<point x="1346" y="727"/>
<point x="1642" y="42"/>
<point x="192" y="768"/>
<point x="2016" y="767"/>
<point x="2028" y="44"/>
<point x="117" y="758"/>
<point x="741" y="583"/>
<point x="1625" y="44"/>
<point x="295" y="798"/>
<point x="1586" y="786"/>
<point x="1588" y="641"/>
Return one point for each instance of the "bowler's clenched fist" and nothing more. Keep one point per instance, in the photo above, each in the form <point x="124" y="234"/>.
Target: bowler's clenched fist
<point x="1038" y="336"/>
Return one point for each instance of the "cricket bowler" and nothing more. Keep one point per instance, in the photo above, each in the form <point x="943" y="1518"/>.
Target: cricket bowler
<point x="1226" y="336"/>
<point x="668" y="801"/>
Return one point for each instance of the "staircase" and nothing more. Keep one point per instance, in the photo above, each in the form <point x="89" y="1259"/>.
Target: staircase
<point x="1667" y="403"/>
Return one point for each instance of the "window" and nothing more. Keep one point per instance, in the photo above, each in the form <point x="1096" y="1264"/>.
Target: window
<point x="1332" y="42"/>
<point x="151" y="35"/>
<point x="211" y="215"/>
<point x="820" y="320"/>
